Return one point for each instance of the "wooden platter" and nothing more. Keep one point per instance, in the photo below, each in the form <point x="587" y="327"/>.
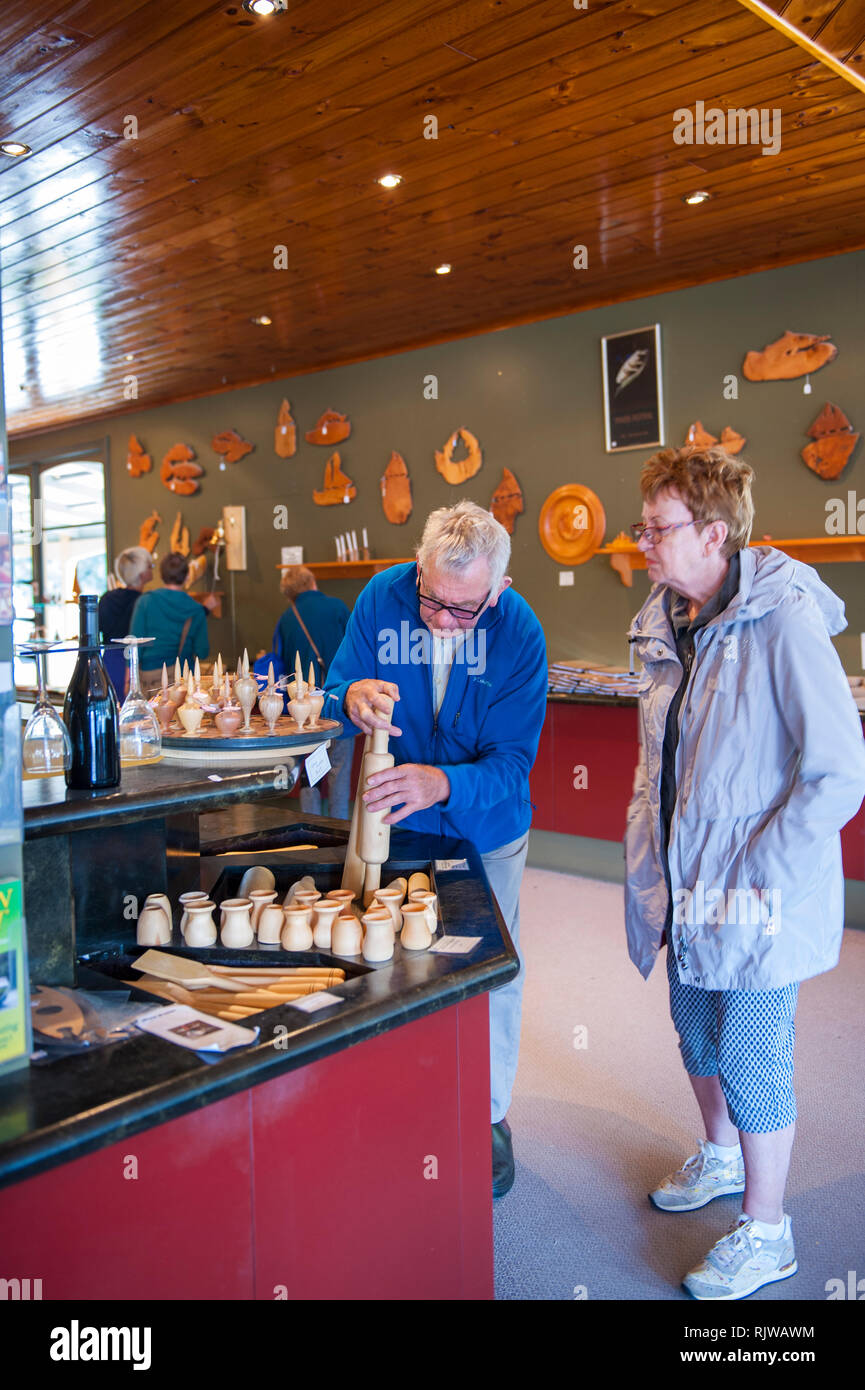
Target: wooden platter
<point x="208" y="746"/>
<point x="572" y="524"/>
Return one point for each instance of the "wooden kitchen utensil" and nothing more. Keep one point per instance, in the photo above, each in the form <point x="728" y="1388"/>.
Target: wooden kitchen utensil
<point x="353" y="868"/>
<point x="55" y="1014"/>
<point x="192" y="974"/>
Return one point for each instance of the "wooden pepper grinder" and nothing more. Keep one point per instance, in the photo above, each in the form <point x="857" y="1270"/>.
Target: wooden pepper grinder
<point x="373" y="835"/>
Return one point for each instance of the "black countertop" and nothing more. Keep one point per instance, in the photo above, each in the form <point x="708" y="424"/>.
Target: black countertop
<point x="157" y="789"/>
<point x="53" y="1112"/>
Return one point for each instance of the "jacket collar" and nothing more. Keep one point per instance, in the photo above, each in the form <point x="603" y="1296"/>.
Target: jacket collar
<point x="766" y="576"/>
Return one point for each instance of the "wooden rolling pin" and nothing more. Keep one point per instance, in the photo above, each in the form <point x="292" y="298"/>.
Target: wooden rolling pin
<point x="263" y="998"/>
<point x="328" y="976"/>
<point x="353" y="867"/>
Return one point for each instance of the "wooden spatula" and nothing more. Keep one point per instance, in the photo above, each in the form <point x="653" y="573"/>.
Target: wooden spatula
<point x="56" y="1015"/>
<point x="192" y="974"/>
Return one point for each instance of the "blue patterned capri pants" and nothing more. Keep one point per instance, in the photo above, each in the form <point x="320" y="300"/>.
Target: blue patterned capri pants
<point x="745" y="1038"/>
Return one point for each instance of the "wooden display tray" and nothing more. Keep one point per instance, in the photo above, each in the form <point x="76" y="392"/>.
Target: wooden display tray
<point x="209" y="746"/>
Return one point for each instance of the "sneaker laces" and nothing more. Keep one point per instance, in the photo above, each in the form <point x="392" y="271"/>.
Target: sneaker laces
<point x="693" y="1170"/>
<point x="730" y="1248"/>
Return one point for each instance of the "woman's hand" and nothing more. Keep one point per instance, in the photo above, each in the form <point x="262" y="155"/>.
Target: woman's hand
<point x="365" y="708"/>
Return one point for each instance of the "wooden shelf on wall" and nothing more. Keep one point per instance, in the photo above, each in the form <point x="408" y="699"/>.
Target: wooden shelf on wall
<point x="625" y="557"/>
<point x="350" y="569"/>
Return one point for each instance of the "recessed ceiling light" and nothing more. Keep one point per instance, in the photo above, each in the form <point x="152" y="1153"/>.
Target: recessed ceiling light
<point x="261" y="8"/>
<point x="443" y="269"/>
<point x="14" y="149"/>
<point x="263" y="319"/>
<point x="390" y="180"/>
<point x="130" y="357"/>
<point x="693" y="198"/>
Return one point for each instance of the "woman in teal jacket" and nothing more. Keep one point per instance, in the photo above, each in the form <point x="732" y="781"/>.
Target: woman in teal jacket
<point x="176" y="621"/>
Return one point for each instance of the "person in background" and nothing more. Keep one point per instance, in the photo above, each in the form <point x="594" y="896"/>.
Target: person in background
<point x="751" y="761"/>
<point x="134" y="569"/>
<point x="314" y="624"/>
<point x="472" y="691"/>
<point x="174" y="619"/>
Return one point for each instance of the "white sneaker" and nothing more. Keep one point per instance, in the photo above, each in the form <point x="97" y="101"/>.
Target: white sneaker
<point x="741" y="1262"/>
<point x="699" y="1181"/>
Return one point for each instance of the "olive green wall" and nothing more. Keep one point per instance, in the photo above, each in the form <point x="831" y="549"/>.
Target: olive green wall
<point x="532" y="395"/>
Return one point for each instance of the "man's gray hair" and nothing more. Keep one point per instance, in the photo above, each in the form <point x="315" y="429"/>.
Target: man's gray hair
<point x="131" y="564"/>
<point x="455" y="536"/>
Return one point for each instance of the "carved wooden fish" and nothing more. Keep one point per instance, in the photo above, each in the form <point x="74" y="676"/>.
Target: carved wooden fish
<point x="136" y="460"/>
<point x="791" y="355"/>
<point x="285" y="432"/>
<point x="834" y="441"/>
<point x="231" y="446"/>
<point x="507" y="501"/>
<point x="396" y="491"/>
<point x="178" y="472"/>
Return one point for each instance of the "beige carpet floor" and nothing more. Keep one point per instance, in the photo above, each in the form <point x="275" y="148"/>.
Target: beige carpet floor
<point x="602" y="1109"/>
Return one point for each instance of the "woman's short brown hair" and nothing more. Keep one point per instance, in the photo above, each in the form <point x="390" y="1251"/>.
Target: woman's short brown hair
<point x="174" y="568"/>
<point x="296" y="579"/>
<point x="714" y="486"/>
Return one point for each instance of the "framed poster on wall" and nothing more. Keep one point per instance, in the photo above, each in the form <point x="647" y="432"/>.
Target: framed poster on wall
<point x="633" y="391"/>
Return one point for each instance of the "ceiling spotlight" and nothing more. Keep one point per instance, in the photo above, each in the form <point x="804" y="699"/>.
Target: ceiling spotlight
<point x="263" y="319"/>
<point x="693" y="198"/>
<point x="390" y="180"/>
<point x="14" y="149"/>
<point x="443" y="269"/>
<point x="261" y="8"/>
<point x="130" y="357"/>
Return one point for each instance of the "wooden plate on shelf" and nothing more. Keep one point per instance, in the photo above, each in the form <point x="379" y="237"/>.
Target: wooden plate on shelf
<point x="572" y="524"/>
<point x="209" y="746"/>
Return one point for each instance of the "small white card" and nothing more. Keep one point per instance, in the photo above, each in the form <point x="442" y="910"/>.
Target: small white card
<point x="455" y="945"/>
<point x="445" y="865"/>
<point x="200" y="1032"/>
<point x="292" y="555"/>
<point x="317" y="764"/>
<point x="310" y="1002"/>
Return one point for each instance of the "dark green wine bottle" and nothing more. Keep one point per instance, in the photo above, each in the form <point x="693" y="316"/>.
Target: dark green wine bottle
<point x="90" y="710"/>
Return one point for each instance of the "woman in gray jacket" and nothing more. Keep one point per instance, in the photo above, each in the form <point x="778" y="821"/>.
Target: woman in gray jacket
<point x="751" y="761"/>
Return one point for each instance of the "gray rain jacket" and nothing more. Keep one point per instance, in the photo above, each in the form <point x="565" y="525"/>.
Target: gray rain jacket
<point x="770" y="765"/>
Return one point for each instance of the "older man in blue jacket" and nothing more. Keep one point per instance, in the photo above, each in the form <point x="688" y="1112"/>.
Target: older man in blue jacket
<point x="465" y="657"/>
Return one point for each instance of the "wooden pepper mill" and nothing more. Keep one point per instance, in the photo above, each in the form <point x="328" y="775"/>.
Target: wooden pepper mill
<point x="374" y="836"/>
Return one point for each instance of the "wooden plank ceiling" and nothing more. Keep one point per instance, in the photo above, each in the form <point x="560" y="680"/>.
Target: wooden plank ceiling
<point x="555" y="128"/>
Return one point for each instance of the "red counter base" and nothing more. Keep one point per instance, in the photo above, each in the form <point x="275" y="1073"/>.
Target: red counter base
<point x="366" y="1175"/>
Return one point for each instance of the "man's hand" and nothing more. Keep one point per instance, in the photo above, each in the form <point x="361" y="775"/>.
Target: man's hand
<point x="210" y="601"/>
<point x="364" y="707"/>
<point x="415" y="784"/>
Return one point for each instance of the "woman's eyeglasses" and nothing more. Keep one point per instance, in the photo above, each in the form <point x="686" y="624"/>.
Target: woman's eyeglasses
<point x="465" y="613"/>
<point x="653" y="533"/>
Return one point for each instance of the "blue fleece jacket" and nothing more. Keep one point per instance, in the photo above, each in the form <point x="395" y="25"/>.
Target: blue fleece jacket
<point x="486" y="734"/>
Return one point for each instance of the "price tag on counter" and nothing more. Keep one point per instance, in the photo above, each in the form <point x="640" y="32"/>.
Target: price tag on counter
<point x="447" y="865"/>
<point x="317" y="764"/>
<point x="310" y="1002"/>
<point x="455" y="945"/>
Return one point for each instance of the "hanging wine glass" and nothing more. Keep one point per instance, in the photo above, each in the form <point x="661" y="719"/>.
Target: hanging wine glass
<point x="140" y="734"/>
<point x="46" y="749"/>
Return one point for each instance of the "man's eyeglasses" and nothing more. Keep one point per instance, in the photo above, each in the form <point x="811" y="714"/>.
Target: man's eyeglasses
<point x="436" y="606"/>
<point x="653" y="533"/>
